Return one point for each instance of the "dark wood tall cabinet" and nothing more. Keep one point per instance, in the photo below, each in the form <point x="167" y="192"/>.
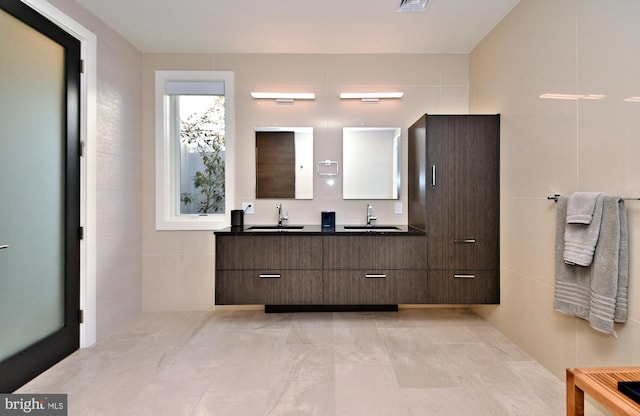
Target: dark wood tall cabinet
<point x="454" y="195"/>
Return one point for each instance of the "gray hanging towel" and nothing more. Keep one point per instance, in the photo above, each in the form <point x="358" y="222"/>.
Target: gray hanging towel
<point x="580" y="239"/>
<point x="597" y="293"/>
<point x="581" y="207"/>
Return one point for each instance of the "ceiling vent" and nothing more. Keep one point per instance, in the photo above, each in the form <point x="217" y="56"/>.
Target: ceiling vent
<point x="413" y="5"/>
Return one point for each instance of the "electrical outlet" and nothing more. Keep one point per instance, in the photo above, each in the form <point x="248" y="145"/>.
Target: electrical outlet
<point x="247" y="207"/>
<point x="398" y="207"/>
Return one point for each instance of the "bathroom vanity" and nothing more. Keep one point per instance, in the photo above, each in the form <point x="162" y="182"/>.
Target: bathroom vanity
<point x="298" y="267"/>
<point x="447" y="254"/>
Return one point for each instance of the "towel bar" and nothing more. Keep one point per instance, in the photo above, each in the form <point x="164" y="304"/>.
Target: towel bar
<point x="556" y="196"/>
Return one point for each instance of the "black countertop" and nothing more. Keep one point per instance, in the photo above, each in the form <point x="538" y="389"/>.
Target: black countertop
<point x="317" y="229"/>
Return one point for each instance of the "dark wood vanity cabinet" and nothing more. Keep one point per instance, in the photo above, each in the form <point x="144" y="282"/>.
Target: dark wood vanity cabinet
<point x="463" y="287"/>
<point x="268" y="269"/>
<point x="320" y="269"/>
<point x="366" y="270"/>
<point x="454" y="196"/>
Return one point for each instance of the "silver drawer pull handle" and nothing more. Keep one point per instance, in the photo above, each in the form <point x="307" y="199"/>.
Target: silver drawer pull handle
<point x="375" y="276"/>
<point x="433" y="175"/>
<point x="4" y="246"/>
<point x="464" y="276"/>
<point x="464" y="240"/>
<point x="269" y="276"/>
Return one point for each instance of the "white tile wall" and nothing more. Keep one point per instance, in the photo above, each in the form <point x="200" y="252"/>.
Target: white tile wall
<point x="560" y="46"/>
<point x="119" y="173"/>
<point x="431" y="83"/>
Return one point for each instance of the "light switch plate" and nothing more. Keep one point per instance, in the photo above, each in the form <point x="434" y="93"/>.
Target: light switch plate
<point x="398" y="207"/>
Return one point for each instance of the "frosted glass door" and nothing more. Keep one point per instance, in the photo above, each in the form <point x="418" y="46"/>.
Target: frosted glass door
<point x="38" y="198"/>
<point x="31" y="185"/>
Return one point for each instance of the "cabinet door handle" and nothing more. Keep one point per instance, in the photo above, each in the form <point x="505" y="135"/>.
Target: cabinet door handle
<point x="269" y="275"/>
<point x="4" y="246"/>
<point x="464" y="240"/>
<point x="375" y="275"/>
<point x="433" y="175"/>
<point x="464" y="276"/>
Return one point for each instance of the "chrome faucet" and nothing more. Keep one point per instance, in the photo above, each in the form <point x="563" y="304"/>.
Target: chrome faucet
<point x="369" y="216"/>
<point x="280" y="216"/>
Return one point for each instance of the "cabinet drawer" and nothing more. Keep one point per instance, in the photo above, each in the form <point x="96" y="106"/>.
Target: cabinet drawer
<point x="359" y="287"/>
<point x="411" y="286"/>
<point x="268" y="252"/>
<point x="284" y="287"/>
<point x="465" y="252"/>
<point x="463" y="287"/>
<point x="374" y="252"/>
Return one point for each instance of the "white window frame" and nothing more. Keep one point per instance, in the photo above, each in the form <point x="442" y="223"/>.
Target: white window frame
<point x="166" y="167"/>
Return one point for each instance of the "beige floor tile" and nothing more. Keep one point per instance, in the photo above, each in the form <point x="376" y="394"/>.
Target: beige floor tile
<point x="248" y="363"/>
<point x="416" y="361"/>
<point x="367" y="390"/>
<point x="228" y="403"/>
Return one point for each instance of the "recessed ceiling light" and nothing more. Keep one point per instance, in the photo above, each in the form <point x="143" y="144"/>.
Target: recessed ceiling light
<point x="413" y="5"/>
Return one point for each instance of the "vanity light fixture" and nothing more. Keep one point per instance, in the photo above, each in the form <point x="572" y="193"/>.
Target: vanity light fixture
<point x="594" y="97"/>
<point x="283" y="97"/>
<point x="369" y="97"/>
<point x="573" y="97"/>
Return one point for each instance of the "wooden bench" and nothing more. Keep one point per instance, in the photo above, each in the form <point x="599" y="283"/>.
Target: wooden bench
<point x="602" y="385"/>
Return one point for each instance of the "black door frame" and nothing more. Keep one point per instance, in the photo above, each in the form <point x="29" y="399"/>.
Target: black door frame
<point x="28" y="363"/>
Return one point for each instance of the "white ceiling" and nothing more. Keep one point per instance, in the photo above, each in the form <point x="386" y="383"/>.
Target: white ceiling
<point x="300" y="26"/>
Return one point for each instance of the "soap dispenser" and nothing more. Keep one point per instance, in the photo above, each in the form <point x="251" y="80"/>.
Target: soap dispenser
<point x="328" y="221"/>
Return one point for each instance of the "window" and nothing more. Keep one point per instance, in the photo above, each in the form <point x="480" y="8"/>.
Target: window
<point x="194" y="142"/>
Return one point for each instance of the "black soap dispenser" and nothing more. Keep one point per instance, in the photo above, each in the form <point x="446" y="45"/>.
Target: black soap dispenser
<point x="237" y="219"/>
<point x="328" y="221"/>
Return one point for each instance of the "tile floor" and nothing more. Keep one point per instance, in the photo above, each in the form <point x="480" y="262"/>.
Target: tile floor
<point x="237" y="363"/>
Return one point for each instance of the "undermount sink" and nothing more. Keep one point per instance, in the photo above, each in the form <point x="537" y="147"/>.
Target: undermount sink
<point x="371" y="227"/>
<point x="275" y="227"/>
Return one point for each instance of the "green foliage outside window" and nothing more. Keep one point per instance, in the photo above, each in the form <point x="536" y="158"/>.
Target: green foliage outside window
<point x="204" y="133"/>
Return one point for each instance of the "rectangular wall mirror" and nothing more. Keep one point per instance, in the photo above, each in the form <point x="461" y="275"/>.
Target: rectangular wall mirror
<point x="371" y="162"/>
<point x="284" y="162"/>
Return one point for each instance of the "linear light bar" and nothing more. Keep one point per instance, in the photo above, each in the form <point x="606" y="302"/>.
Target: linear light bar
<point x="284" y="97"/>
<point x="594" y="97"/>
<point x="632" y="100"/>
<point x="370" y="97"/>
